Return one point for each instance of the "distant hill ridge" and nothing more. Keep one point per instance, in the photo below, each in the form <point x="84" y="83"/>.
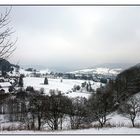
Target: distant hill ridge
<point x="100" y="70"/>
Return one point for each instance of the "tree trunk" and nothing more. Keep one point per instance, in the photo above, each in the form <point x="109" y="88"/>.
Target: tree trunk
<point x="33" y="123"/>
<point x="61" y="123"/>
<point x="101" y="124"/>
<point x="133" y="122"/>
<point x="55" y="125"/>
<point x="39" y="123"/>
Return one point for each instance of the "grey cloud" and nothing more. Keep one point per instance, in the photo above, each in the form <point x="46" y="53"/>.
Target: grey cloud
<point x="76" y="36"/>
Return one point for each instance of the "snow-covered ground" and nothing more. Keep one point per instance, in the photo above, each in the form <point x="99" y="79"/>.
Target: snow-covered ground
<point x="122" y="130"/>
<point x="119" y="120"/>
<point x="123" y="126"/>
<point x="65" y="86"/>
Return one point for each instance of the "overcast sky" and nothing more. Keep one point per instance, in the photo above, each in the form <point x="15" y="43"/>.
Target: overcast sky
<point x="66" y="38"/>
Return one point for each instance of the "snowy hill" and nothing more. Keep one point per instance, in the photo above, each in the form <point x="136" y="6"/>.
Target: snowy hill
<point x="45" y="71"/>
<point x="103" y="71"/>
<point x="65" y="86"/>
<point x="94" y="71"/>
<point x="30" y="73"/>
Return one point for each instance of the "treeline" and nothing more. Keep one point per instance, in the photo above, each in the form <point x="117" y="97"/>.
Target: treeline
<point x="35" y="110"/>
<point x="128" y="82"/>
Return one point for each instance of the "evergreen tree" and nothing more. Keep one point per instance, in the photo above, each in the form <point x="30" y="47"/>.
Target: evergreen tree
<point x="89" y="88"/>
<point x="20" y="84"/>
<point x="46" y="81"/>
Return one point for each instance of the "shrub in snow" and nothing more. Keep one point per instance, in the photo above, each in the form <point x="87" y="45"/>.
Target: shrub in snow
<point x="83" y="84"/>
<point x="11" y="88"/>
<point x="52" y="91"/>
<point x="30" y="88"/>
<point x="61" y="80"/>
<point x="42" y="91"/>
<point x="78" y="87"/>
<point x="55" y="92"/>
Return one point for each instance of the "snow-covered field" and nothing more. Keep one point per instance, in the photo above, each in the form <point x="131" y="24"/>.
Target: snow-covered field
<point x="65" y="86"/>
<point x="122" y="130"/>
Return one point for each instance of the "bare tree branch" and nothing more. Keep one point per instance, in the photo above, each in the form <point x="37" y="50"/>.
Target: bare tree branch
<point x="7" y="46"/>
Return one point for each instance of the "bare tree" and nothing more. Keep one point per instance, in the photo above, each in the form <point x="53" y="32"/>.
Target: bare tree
<point x="78" y="112"/>
<point x="7" y="47"/>
<point x="101" y="104"/>
<point x="36" y="109"/>
<point x="130" y="109"/>
<point x="56" y="109"/>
